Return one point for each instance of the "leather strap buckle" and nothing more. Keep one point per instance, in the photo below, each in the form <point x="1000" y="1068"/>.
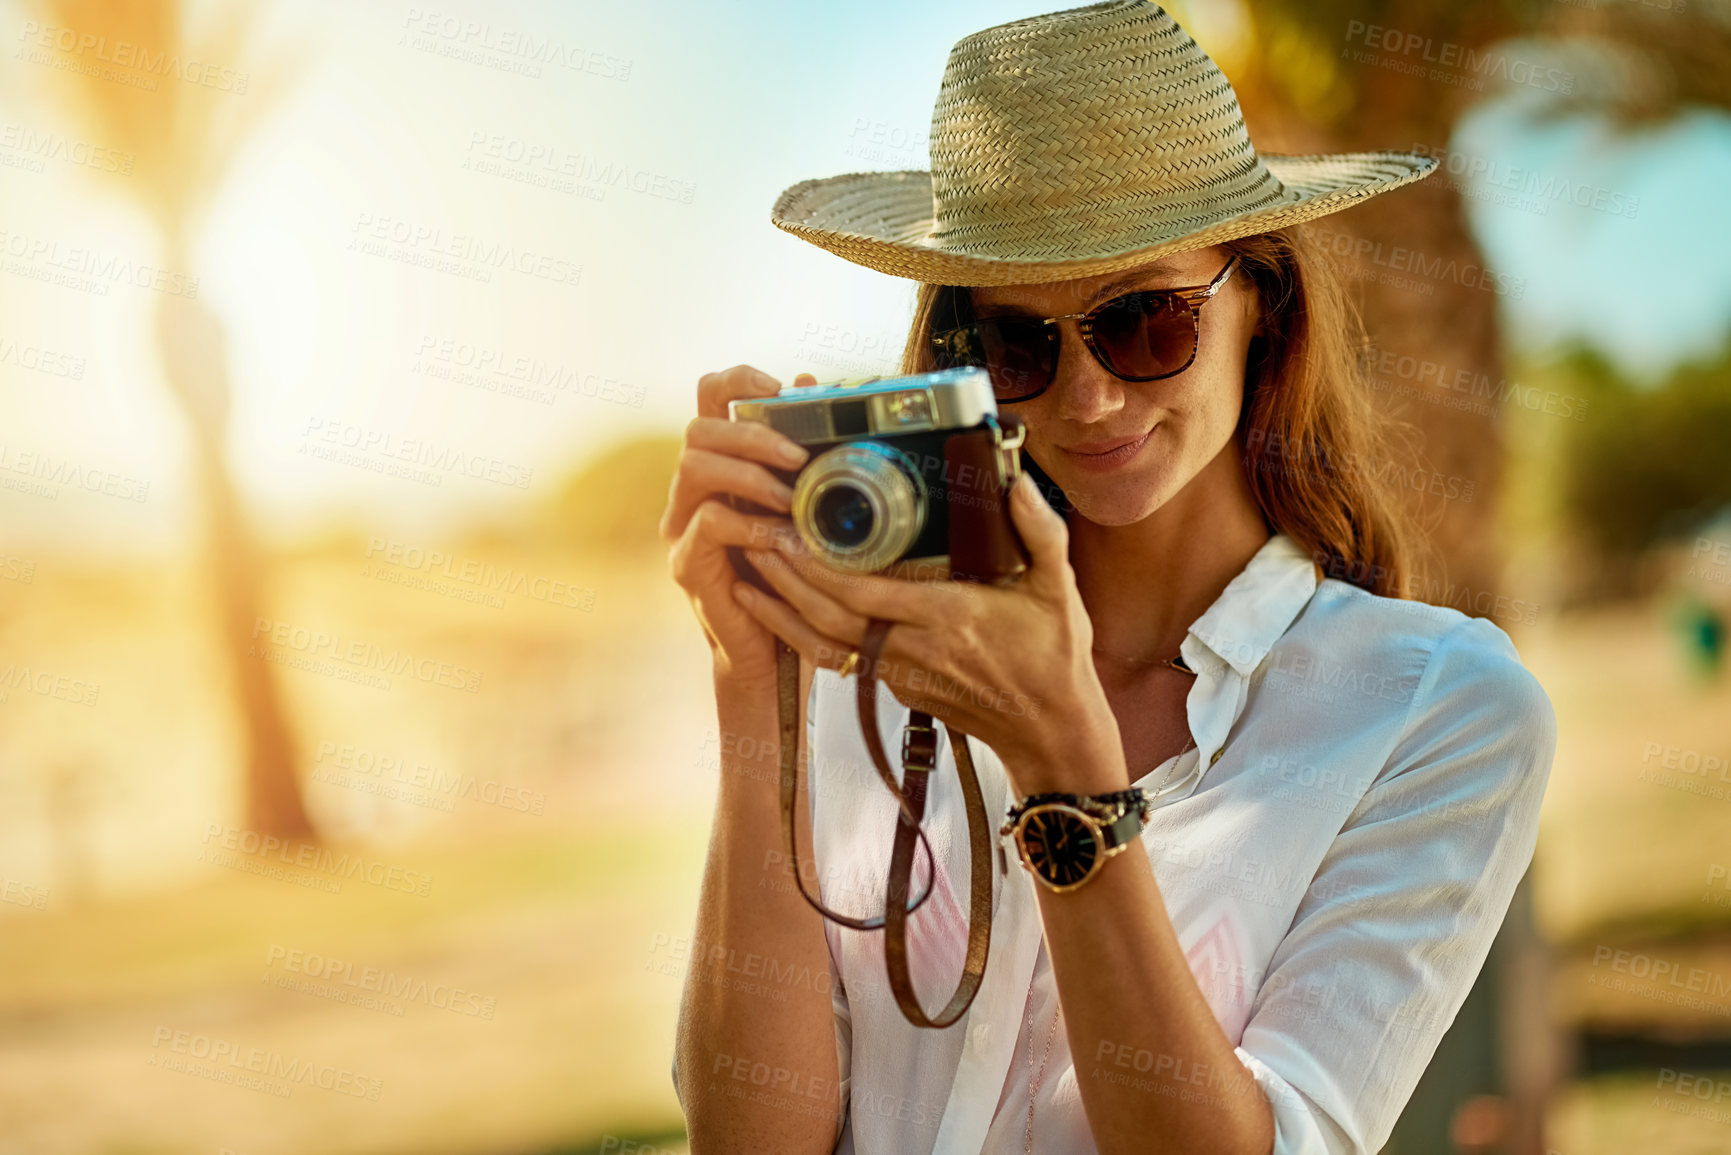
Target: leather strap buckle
<point x="919" y="748"/>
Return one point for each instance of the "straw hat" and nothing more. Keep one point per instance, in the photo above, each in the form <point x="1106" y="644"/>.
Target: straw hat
<point x="1074" y="144"/>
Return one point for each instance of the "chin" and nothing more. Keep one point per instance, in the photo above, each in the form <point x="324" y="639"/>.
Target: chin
<point x="1116" y="500"/>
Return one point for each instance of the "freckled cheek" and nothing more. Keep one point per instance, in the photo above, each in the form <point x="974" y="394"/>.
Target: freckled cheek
<point x="1200" y="416"/>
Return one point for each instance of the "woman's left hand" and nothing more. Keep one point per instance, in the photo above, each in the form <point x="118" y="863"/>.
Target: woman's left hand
<point x="1012" y="666"/>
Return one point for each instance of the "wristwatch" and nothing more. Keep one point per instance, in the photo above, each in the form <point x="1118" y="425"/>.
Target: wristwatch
<point x="1064" y="839"/>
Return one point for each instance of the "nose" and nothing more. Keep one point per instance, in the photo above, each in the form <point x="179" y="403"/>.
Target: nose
<point x="1083" y="390"/>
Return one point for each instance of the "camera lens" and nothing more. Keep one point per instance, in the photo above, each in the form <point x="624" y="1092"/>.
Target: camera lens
<point x="860" y="506"/>
<point x="843" y="516"/>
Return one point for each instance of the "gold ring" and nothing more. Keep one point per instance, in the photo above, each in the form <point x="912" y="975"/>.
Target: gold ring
<point x="851" y="664"/>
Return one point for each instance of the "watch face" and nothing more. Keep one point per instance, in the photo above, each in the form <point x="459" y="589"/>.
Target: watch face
<point x="1058" y="845"/>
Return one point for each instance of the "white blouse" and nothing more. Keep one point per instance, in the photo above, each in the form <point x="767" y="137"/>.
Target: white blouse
<point x="1336" y="852"/>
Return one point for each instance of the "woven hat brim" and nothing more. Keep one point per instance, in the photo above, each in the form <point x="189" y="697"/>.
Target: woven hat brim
<point x="883" y="220"/>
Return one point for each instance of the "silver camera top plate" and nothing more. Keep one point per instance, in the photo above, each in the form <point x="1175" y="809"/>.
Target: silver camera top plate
<point x="957" y="398"/>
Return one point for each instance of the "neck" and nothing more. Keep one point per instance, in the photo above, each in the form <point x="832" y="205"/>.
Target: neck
<point x="1144" y="584"/>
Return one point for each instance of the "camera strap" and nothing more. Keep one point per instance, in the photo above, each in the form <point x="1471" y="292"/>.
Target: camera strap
<point x="919" y="759"/>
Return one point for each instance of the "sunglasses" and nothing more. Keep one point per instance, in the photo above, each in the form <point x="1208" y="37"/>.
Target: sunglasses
<point x="1141" y="336"/>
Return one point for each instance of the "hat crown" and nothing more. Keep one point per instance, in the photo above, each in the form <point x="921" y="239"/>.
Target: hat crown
<point x="1101" y="118"/>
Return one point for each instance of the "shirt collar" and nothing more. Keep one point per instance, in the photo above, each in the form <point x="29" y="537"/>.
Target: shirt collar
<point x="1257" y="606"/>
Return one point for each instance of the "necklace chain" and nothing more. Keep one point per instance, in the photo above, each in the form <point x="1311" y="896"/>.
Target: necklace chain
<point x="1176" y="758"/>
<point x="1175" y="662"/>
<point x="1034" y="1080"/>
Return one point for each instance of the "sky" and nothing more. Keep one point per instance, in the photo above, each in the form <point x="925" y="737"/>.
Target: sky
<point x="413" y="137"/>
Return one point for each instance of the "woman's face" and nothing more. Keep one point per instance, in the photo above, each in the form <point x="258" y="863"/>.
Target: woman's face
<point x="1121" y="449"/>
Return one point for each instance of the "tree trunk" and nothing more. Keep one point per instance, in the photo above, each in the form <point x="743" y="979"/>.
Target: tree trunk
<point x="194" y="353"/>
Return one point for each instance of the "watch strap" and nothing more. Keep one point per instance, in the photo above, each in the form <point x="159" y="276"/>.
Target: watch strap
<point x="1123" y="830"/>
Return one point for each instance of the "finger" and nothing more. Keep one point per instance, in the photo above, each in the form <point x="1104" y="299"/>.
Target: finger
<point x="716" y="524"/>
<point x="715" y="390"/>
<point x="909" y="668"/>
<point x="784" y="622"/>
<point x="1042" y="531"/>
<point x="814" y="605"/>
<point x="916" y="601"/>
<point x="748" y="439"/>
<point x="705" y="476"/>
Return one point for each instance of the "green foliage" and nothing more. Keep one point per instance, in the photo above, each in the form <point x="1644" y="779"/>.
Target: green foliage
<point x="1648" y="463"/>
<point x="614" y="501"/>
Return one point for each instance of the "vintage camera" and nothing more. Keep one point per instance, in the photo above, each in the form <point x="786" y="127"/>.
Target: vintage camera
<point x="908" y="476"/>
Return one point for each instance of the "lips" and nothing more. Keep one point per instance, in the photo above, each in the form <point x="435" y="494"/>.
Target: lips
<point x="1097" y="448"/>
<point x="1103" y="456"/>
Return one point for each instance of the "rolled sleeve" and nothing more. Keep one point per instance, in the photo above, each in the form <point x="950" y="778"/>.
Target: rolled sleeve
<point x="1400" y="915"/>
<point x="1299" y="1127"/>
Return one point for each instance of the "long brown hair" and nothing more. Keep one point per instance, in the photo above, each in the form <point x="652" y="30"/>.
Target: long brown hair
<point x="1312" y="440"/>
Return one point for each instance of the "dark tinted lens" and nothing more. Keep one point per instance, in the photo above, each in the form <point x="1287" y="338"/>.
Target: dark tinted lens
<point x="1145" y="334"/>
<point x="1021" y="355"/>
<point x="843" y="516"/>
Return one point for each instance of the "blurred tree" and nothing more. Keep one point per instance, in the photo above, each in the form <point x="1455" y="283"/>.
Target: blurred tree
<point x="1651" y="465"/>
<point x="184" y="134"/>
<point x="1331" y="75"/>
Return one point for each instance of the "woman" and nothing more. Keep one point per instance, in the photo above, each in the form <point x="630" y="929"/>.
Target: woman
<point x="1341" y="787"/>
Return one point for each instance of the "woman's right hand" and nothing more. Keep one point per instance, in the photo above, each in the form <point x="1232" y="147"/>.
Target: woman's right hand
<point x="724" y="457"/>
